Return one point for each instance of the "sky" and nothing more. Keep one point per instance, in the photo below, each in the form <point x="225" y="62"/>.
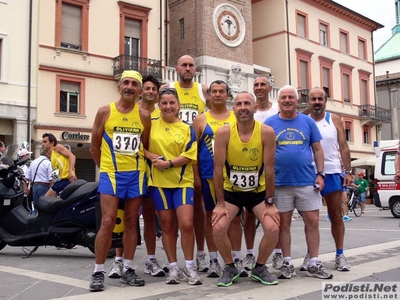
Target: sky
<point x="381" y="11"/>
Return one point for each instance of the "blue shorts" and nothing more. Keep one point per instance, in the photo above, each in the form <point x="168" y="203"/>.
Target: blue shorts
<point x="171" y="198"/>
<point x="363" y="197"/>
<point x="60" y="185"/>
<point x="208" y="194"/>
<point x="333" y="183"/>
<point x="124" y="185"/>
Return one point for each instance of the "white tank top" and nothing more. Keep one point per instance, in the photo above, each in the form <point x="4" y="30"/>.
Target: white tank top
<point x="329" y="144"/>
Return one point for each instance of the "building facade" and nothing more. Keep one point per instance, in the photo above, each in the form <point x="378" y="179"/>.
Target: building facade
<point x="81" y="47"/>
<point x="387" y="70"/>
<point x="315" y="43"/>
<point x="18" y="65"/>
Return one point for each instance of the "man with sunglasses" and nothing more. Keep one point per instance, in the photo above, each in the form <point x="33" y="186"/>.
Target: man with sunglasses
<point x="119" y="136"/>
<point x="193" y="100"/>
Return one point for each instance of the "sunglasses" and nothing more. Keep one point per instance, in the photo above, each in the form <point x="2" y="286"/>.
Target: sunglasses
<point x="168" y="91"/>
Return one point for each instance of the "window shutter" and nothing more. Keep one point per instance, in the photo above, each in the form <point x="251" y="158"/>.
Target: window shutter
<point x="343" y="42"/>
<point x="132" y="28"/>
<point x="71" y="24"/>
<point x="346" y="86"/>
<point x="303" y="74"/>
<point x="301" y="25"/>
<point x="325" y="74"/>
<point x="69" y="87"/>
<point x="363" y="92"/>
<point x="361" y="49"/>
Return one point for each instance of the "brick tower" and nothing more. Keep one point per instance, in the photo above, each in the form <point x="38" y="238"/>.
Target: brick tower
<point x="217" y="34"/>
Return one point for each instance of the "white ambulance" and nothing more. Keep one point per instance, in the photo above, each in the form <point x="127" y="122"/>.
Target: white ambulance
<point x="386" y="192"/>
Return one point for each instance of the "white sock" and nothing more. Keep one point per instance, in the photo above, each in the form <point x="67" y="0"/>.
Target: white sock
<point x="287" y="260"/>
<point x="98" y="268"/>
<point x="188" y="263"/>
<point x="127" y="264"/>
<point x="150" y="257"/>
<point x="277" y="251"/>
<point x="250" y="251"/>
<point x="236" y="254"/>
<point x="173" y="264"/>
<point x="118" y="258"/>
<point x="313" y="261"/>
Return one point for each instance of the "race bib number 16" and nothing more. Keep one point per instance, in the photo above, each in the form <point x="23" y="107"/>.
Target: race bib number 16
<point x="126" y="143"/>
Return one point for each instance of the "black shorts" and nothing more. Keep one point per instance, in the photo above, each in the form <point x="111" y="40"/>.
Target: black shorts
<point x="244" y="199"/>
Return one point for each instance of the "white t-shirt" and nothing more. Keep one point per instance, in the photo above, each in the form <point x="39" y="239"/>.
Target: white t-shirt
<point x="262" y="115"/>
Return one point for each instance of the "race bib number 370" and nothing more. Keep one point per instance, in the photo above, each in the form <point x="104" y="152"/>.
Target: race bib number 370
<point x="126" y="143"/>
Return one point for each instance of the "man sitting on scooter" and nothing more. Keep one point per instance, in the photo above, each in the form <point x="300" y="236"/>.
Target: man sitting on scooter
<point x="62" y="161"/>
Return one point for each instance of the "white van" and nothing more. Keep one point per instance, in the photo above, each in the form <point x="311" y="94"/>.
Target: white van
<point x="386" y="192"/>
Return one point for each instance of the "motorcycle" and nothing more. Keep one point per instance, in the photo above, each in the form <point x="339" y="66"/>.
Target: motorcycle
<point x="63" y="222"/>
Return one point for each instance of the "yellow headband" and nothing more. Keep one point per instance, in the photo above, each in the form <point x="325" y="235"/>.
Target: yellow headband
<point x="132" y="74"/>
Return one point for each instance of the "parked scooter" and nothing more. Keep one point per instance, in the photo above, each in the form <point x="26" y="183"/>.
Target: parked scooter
<point x="63" y="222"/>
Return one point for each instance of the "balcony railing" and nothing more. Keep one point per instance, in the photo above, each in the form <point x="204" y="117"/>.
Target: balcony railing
<point x="303" y="97"/>
<point x="375" y="113"/>
<point x="143" y="65"/>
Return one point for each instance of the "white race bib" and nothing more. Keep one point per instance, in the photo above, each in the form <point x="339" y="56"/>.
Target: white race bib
<point x="244" y="181"/>
<point x="126" y="143"/>
<point x="188" y="115"/>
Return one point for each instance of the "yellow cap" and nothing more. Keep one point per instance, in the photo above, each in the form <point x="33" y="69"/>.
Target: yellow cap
<point x="132" y="74"/>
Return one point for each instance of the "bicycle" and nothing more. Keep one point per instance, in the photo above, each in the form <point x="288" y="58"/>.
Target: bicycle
<point x="353" y="202"/>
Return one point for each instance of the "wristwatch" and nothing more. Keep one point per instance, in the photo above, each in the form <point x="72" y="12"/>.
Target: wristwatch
<point x="322" y="174"/>
<point x="270" y="200"/>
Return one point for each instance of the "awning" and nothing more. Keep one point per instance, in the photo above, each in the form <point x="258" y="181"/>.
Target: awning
<point x="364" y="162"/>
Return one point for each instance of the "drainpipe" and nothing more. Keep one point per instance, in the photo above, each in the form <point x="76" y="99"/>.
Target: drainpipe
<point x="28" y="127"/>
<point x="166" y="33"/>
<point x="161" y="38"/>
<point x="288" y="41"/>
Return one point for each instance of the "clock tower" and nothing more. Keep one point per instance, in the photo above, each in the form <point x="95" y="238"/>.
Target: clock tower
<point x="217" y="34"/>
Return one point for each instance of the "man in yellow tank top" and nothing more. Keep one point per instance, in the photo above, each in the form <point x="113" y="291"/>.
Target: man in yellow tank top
<point x="119" y="135"/>
<point x="244" y="176"/>
<point x="205" y="126"/>
<point x="62" y="162"/>
<point x="193" y="101"/>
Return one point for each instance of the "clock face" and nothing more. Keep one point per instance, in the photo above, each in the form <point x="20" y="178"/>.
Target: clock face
<point x="229" y="25"/>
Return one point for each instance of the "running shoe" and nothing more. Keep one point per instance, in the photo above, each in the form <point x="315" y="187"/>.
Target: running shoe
<point x="228" y="277"/>
<point x="239" y="265"/>
<point x="287" y="271"/>
<point x="262" y="275"/>
<point x="215" y="269"/>
<point x="174" y="275"/>
<point x="165" y="266"/>
<point x="249" y="261"/>
<point x="318" y="271"/>
<point x="190" y="274"/>
<point x="153" y="268"/>
<point x="347" y="218"/>
<point x="130" y="277"/>
<point x="341" y="263"/>
<point x="304" y="265"/>
<point x="97" y="282"/>
<point x="116" y="269"/>
<point x="201" y="262"/>
<point x="277" y="261"/>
